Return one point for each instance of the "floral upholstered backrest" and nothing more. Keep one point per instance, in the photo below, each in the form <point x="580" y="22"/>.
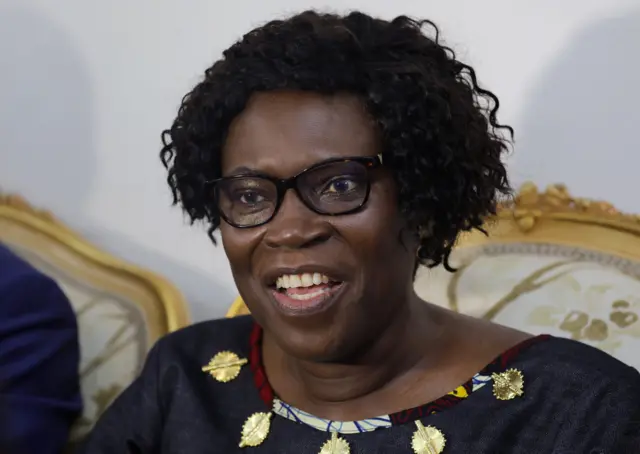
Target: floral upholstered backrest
<point x="551" y="263"/>
<point x="561" y="290"/>
<point x="121" y="310"/>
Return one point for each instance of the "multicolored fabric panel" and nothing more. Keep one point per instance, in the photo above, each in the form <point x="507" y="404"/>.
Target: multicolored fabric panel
<point x="343" y="427"/>
<point x="366" y="425"/>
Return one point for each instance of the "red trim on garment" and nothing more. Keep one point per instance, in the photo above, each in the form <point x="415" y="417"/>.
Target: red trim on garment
<point x="255" y="361"/>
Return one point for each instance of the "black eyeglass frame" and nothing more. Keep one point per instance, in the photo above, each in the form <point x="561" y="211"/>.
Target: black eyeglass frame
<point x="283" y="185"/>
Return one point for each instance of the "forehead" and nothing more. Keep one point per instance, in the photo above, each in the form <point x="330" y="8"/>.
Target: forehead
<point x="284" y="132"/>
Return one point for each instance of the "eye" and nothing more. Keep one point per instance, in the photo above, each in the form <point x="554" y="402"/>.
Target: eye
<point x="249" y="197"/>
<point x="341" y="186"/>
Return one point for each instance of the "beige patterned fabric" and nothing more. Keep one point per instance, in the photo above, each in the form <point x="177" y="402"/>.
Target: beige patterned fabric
<point x="113" y="339"/>
<point x="565" y="291"/>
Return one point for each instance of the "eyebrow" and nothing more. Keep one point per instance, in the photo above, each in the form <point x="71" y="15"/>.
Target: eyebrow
<point x="242" y="170"/>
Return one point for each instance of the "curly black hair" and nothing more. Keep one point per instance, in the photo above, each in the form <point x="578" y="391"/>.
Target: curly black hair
<point x="441" y="138"/>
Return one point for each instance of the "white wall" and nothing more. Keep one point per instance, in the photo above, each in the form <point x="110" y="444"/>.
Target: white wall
<point x="87" y="86"/>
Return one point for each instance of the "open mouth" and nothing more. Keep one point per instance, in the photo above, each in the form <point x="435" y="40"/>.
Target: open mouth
<point x="304" y="293"/>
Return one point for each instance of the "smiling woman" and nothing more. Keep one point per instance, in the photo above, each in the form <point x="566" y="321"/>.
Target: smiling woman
<point x="335" y="154"/>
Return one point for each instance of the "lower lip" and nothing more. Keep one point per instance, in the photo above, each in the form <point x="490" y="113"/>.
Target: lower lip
<point x="293" y="306"/>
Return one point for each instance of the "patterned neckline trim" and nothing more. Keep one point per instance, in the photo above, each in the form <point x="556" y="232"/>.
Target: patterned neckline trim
<point x="478" y="381"/>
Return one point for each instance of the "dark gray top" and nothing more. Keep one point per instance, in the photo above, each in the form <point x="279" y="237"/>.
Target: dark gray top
<point x="576" y="400"/>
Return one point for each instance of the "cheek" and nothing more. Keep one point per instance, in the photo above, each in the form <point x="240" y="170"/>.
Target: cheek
<point x="373" y="237"/>
<point x="229" y="244"/>
<point x="384" y="221"/>
<point x="383" y="236"/>
<point x="238" y="245"/>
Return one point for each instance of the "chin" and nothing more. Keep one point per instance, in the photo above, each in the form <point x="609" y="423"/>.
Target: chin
<point x="315" y="350"/>
<point x="327" y="327"/>
<point x="334" y="342"/>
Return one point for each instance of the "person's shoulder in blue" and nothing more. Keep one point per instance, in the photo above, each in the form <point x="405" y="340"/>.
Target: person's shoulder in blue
<point x="39" y="356"/>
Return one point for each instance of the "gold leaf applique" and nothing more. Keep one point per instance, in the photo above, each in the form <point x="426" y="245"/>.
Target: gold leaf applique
<point x="225" y="366"/>
<point x="336" y="445"/>
<point x="508" y="385"/>
<point x="427" y="440"/>
<point x="255" y="429"/>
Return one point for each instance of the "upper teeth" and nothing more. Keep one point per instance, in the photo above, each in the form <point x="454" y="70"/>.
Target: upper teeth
<point x="301" y="280"/>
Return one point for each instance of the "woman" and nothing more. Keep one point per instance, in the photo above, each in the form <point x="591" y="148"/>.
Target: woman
<point x="336" y="154"/>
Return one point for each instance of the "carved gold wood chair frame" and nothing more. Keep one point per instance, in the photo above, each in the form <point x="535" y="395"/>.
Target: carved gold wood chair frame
<point x="38" y="230"/>
<point x="551" y="217"/>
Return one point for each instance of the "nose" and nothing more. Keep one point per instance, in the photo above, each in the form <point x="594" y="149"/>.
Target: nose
<point x="295" y="226"/>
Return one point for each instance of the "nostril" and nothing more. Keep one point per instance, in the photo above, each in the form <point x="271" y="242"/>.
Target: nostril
<point x="319" y="239"/>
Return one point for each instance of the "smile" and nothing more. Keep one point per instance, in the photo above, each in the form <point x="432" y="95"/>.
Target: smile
<point x="306" y="293"/>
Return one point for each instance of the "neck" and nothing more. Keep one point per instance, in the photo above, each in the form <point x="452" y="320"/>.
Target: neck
<point x="407" y="344"/>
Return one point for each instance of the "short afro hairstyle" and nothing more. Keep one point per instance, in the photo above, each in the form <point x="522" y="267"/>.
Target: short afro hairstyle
<point x="441" y="138"/>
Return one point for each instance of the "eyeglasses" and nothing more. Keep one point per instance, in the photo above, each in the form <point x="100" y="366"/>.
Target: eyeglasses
<point x="333" y="187"/>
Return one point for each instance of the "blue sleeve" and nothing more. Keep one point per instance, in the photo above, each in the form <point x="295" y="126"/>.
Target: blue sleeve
<point x="39" y="357"/>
